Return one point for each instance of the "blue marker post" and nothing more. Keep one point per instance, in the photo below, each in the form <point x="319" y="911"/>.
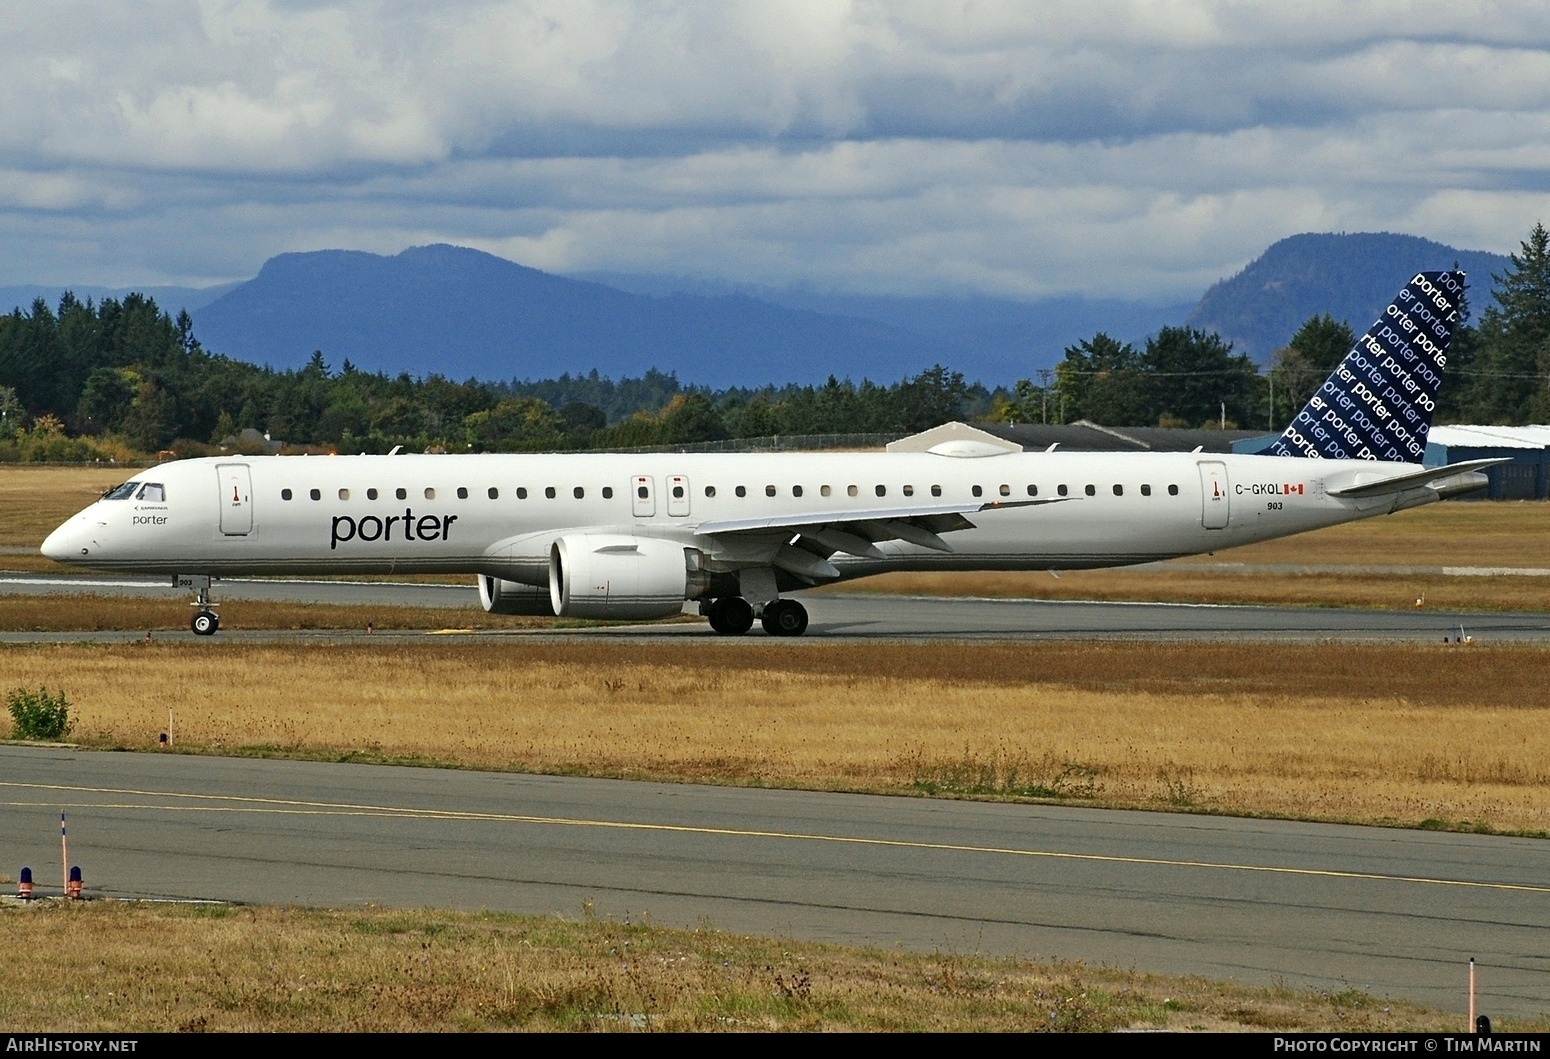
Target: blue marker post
<point x="24" y="887"/>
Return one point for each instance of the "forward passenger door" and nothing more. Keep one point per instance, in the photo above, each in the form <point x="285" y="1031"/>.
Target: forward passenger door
<point x="236" y="499"/>
<point x="643" y="497"/>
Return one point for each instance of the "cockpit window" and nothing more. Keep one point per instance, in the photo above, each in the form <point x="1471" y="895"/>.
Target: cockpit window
<point x="121" y="492"/>
<point x="153" y="492"/>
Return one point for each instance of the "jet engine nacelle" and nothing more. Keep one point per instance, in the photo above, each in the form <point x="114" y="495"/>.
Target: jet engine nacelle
<point x="617" y="576"/>
<point x="498" y="596"/>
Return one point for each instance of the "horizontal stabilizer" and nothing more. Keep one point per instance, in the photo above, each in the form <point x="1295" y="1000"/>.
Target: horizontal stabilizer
<point x="1373" y="483"/>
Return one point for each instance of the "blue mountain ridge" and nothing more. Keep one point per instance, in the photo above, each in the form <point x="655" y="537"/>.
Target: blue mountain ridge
<point x="1349" y="276"/>
<point x="463" y="314"/>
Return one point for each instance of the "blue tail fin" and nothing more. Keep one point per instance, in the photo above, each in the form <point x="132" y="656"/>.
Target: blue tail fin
<point x="1378" y="404"/>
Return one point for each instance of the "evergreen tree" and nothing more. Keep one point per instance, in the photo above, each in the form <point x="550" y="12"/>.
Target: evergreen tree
<point x="1306" y="361"/>
<point x="1196" y="378"/>
<point x="1100" y="380"/>
<point x="1513" y="361"/>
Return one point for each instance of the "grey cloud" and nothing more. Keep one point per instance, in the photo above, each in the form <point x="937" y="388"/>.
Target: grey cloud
<point x="1106" y="146"/>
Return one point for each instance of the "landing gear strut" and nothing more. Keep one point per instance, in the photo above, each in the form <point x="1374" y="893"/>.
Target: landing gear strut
<point x="206" y="620"/>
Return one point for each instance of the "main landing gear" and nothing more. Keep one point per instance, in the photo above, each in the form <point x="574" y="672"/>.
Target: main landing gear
<point x="730" y="615"/>
<point x="206" y="620"/>
<point x="733" y="616"/>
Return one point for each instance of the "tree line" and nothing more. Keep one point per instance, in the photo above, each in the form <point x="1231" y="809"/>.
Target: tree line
<point x="82" y="380"/>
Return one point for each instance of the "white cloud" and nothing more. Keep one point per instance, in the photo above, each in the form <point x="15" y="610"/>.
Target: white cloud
<point x="1107" y="146"/>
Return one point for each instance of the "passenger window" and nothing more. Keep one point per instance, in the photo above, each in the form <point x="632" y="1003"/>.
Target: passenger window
<point x="824" y="490"/>
<point x="521" y="492"/>
<point x="344" y="494"/>
<point x="710" y="490"/>
<point x="1146" y="490"/>
<point x="285" y="494"/>
<point x="401" y="493"/>
<point x="936" y="490"/>
<point x="978" y="490"/>
<point x="462" y="492"/>
<point x="882" y="490"/>
<point x="1119" y="490"/>
<point x="851" y="490"/>
<point x="1091" y="490"/>
<point x="1033" y="490"/>
<point x="1062" y="490"/>
<point x="549" y="491"/>
<point x="579" y="492"/>
<point x="430" y="494"/>
<point x="608" y="492"/>
<point x="1173" y="490"/>
<point x="371" y="494"/>
<point x="678" y="492"/>
<point x="769" y="490"/>
<point x="316" y="494"/>
<point x="493" y="493"/>
<point x="909" y="490"/>
<point x="1005" y="490"/>
<point x="741" y="490"/>
<point x="796" y="490"/>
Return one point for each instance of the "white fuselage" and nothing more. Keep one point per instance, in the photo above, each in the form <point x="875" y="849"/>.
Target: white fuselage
<point x="499" y="515"/>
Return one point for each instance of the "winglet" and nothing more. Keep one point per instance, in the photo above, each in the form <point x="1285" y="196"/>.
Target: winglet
<point x="1378" y="404"/>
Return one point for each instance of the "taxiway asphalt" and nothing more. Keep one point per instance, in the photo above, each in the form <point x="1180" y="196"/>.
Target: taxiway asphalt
<point x="838" y="615"/>
<point x="1393" y="912"/>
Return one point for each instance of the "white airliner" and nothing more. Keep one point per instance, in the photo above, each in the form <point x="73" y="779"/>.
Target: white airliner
<point x="609" y="535"/>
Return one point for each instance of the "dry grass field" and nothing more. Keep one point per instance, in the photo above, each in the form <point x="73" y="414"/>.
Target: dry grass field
<point x="222" y="969"/>
<point x="1418" y="735"/>
<point x="36" y="499"/>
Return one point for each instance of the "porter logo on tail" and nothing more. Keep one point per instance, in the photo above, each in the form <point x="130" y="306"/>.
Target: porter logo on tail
<point x="1378" y="404"/>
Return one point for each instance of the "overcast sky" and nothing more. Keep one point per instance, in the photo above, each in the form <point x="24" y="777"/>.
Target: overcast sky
<point x="1109" y="147"/>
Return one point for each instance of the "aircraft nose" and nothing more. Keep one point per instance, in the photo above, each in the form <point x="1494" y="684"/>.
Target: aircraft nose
<point x="66" y="543"/>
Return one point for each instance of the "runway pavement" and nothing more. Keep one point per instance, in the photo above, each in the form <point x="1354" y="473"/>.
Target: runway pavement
<point x="1397" y="913"/>
<point x="858" y="616"/>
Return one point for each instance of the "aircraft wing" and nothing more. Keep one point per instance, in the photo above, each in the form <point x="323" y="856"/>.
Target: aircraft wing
<point x="803" y="542"/>
<point x="1376" y="483"/>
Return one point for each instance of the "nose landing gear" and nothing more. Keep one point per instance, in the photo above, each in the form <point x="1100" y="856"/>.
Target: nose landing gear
<point x="206" y="620"/>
